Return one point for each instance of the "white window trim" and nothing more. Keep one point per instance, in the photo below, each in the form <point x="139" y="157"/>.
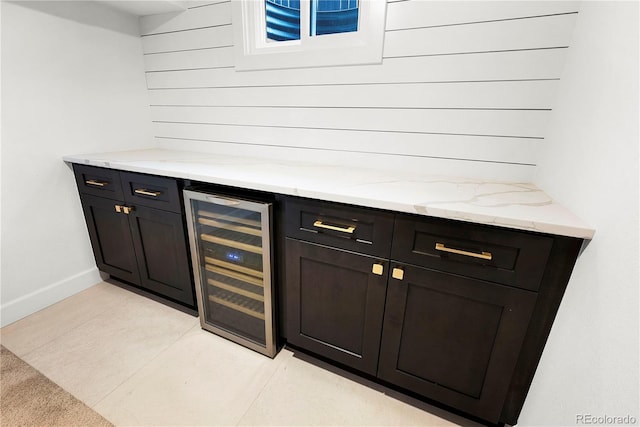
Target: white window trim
<point x="254" y="52"/>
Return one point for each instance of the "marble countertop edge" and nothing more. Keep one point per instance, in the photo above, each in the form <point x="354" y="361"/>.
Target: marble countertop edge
<point x="520" y="206"/>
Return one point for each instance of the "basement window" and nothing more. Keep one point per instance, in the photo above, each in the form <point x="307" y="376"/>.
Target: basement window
<point x="271" y="34"/>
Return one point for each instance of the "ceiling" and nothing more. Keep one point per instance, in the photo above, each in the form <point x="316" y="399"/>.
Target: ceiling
<point x="147" y="7"/>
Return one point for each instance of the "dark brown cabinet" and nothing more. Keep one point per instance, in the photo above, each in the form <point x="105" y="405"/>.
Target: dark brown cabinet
<point x="453" y="339"/>
<point x="455" y="312"/>
<point x="137" y="230"/>
<point x="339" y="301"/>
<point x="161" y="251"/>
<point x="111" y="238"/>
<point x="336" y="275"/>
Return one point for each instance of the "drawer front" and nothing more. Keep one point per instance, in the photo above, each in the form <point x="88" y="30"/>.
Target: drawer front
<point x="502" y="256"/>
<point x="97" y="181"/>
<point x="345" y="227"/>
<point x="152" y="191"/>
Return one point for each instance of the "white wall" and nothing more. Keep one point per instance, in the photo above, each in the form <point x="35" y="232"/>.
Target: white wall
<point x="465" y="87"/>
<point x="72" y="82"/>
<point x="590" y="164"/>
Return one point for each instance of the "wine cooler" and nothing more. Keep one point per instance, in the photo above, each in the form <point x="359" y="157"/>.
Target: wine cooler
<point x="231" y="251"/>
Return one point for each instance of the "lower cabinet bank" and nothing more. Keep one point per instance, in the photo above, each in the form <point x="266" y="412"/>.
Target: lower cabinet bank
<point x="452" y="312"/>
<point x="138" y="232"/>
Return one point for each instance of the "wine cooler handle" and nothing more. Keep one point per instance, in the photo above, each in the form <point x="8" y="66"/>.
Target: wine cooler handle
<point x="223" y="201"/>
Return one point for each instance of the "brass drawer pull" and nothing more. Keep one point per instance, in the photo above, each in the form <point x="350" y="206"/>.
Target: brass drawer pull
<point x="349" y="229"/>
<point x="147" y="192"/>
<point x="482" y="255"/>
<point x="96" y="183"/>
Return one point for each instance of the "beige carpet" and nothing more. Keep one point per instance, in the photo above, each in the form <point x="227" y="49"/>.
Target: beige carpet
<point x="29" y="398"/>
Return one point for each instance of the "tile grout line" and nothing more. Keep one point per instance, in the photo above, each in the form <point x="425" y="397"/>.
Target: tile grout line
<point x="71" y="331"/>
<point x="261" y="392"/>
<point x="144" y="365"/>
<point x="41" y="345"/>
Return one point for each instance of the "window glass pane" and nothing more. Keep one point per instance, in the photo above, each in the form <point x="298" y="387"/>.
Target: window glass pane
<point x="283" y="19"/>
<point x="333" y="16"/>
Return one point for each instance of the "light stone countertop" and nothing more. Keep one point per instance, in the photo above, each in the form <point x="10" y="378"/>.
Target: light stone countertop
<point x="520" y="206"/>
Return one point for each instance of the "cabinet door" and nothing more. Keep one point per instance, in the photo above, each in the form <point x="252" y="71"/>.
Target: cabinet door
<point x="453" y="339"/>
<point x="159" y="239"/>
<point x="110" y="238"/>
<point x="335" y="303"/>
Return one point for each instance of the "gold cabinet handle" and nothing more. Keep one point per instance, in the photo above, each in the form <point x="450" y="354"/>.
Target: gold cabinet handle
<point x="124" y="209"/>
<point x="349" y="229"/>
<point x="397" y="273"/>
<point x="377" y="269"/>
<point x="95" y="183"/>
<point x="482" y="255"/>
<point x="146" y="192"/>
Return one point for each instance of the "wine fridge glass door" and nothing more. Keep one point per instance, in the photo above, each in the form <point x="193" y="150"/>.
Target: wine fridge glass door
<point x="230" y="242"/>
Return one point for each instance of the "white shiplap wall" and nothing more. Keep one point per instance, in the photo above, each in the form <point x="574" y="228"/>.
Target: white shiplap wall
<point x="465" y="87"/>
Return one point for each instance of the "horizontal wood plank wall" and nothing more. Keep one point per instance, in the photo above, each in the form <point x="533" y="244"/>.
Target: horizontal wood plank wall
<point x="465" y="87"/>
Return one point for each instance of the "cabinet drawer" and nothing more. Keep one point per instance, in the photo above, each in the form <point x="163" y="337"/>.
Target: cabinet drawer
<point x="97" y="181"/>
<point x="345" y="227"/>
<point x="497" y="255"/>
<point x="152" y="191"/>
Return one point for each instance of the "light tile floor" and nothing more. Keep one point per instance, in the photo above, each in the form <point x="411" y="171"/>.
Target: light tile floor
<point x="140" y="363"/>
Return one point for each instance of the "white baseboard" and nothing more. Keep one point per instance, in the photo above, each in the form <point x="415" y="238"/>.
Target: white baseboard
<point x="18" y="308"/>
